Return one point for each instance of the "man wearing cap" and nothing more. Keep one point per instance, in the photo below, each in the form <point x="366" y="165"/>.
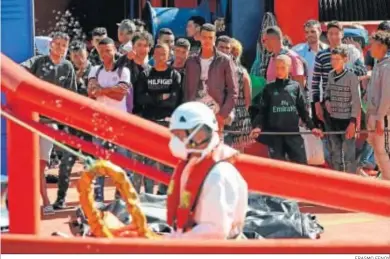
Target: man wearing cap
<point x="126" y="30"/>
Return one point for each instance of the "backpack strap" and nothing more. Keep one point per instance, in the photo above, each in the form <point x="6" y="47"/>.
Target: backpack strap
<point x="98" y="71"/>
<point x="119" y="71"/>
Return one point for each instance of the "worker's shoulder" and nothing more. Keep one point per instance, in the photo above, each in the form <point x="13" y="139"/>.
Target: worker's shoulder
<point x="223" y="171"/>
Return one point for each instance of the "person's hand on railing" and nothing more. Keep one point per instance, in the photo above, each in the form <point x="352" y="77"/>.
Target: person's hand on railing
<point x="351" y="131"/>
<point x="317" y="132"/>
<point x="255" y="133"/>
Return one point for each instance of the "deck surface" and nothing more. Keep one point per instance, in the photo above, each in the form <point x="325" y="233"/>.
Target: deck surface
<point x="338" y="224"/>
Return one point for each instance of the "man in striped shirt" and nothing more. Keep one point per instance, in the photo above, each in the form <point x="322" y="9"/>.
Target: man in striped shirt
<point x="323" y="66"/>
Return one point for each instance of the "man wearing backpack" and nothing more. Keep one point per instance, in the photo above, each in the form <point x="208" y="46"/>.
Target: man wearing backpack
<point x="110" y="85"/>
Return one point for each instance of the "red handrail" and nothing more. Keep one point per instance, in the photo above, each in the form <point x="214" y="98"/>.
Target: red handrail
<point x="57" y="245"/>
<point x="289" y="180"/>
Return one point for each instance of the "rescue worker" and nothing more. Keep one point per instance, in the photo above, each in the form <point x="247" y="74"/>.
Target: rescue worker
<point x="207" y="196"/>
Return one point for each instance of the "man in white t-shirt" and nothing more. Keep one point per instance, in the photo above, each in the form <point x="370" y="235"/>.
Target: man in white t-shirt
<point x="109" y="85"/>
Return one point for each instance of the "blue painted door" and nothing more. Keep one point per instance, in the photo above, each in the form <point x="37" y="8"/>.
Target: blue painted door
<point x="17" y="42"/>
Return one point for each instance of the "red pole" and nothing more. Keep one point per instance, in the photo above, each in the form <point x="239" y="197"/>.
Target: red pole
<point x="23" y="173"/>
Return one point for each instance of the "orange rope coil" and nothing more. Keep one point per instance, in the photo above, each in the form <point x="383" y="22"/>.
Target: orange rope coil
<point x="138" y="226"/>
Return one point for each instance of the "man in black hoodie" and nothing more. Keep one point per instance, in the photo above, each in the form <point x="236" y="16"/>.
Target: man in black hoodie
<point x="280" y="108"/>
<point x="158" y="91"/>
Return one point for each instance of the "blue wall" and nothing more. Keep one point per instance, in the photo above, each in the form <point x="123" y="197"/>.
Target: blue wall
<point x="17" y="42"/>
<point x="246" y="18"/>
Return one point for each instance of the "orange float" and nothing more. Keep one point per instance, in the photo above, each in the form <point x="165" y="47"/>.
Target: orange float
<point x="139" y="226"/>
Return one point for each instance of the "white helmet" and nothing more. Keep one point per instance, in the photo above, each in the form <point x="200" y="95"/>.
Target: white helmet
<point x="189" y="115"/>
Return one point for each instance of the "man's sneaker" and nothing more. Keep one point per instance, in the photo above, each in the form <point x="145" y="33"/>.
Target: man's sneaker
<point x="48" y="210"/>
<point x="59" y="205"/>
<point x="368" y="172"/>
<point x="360" y="171"/>
<point x="99" y="205"/>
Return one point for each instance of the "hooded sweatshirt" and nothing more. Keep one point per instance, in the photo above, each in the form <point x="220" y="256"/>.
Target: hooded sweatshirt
<point x="378" y="91"/>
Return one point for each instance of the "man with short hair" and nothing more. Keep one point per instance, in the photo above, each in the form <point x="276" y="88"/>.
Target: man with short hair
<point x="323" y="66"/>
<point x="159" y="92"/>
<point x="139" y="25"/>
<point x="273" y="42"/>
<point x="281" y="107"/>
<point x="126" y="29"/>
<point x="369" y="61"/>
<point x="79" y="58"/>
<point x="135" y="62"/>
<point x="308" y="52"/>
<point x="55" y="69"/>
<point x="165" y="36"/>
<point x="194" y="26"/>
<point x="378" y="102"/>
<point x="366" y="162"/>
<point x="321" y="72"/>
<point x="181" y="52"/>
<point x="110" y="85"/>
<point x="98" y="34"/>
<point x="342" y="101"/>
<point x="211" y="78"/>
<point x="224" y="44"/>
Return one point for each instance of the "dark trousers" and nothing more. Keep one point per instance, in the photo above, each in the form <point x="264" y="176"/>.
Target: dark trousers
<point x="291" y="146"/>
<point x="67" y="162"/>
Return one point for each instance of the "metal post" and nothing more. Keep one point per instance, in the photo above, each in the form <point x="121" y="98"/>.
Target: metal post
<point x="23" y="174"/>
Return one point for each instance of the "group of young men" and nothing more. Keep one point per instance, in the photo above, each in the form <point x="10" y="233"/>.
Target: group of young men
<point x="192" y="87"/>
<point x="325" y="88"/>
<point x="129" y="81"/>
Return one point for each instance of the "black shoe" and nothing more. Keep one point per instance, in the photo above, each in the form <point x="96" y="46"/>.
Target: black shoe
<point x="59" y="206"/>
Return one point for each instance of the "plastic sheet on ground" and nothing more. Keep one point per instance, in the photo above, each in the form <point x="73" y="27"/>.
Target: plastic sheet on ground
<point x="267" y="217"/>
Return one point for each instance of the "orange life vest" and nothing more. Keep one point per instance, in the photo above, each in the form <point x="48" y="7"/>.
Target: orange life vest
<point x="181" y="206"/>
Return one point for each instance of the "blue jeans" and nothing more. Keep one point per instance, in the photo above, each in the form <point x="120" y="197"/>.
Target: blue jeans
<point x="367" y="158"/>
<point x="99" y="182"/>
<point x="343" y="153"/>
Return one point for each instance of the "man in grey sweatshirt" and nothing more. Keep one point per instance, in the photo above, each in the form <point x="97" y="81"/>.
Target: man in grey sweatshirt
<point x="342" y="101"/>
<point x="378" y="102"/>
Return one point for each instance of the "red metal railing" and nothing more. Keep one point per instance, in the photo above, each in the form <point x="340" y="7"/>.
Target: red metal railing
<point x="27" y="94"/>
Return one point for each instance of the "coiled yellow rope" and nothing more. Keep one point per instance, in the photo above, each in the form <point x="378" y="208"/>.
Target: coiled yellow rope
<point x="138" y="227"/>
